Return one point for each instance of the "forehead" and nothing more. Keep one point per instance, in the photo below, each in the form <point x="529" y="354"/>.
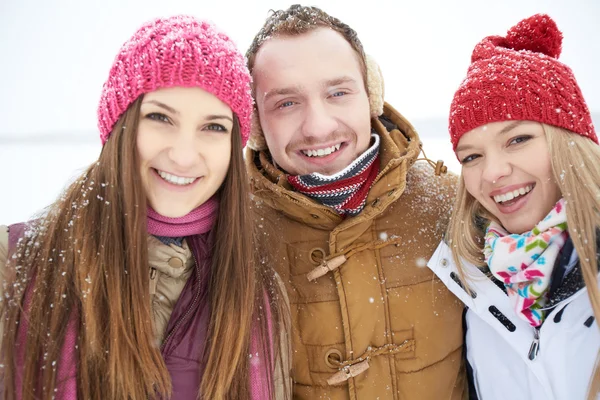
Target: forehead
<point x="317" y="55"/>
<point x="193" y="99"/>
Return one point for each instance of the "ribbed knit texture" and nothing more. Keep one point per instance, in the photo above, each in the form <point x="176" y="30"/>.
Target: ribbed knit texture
<point x="197" y="222"/>
<point x="346" y="191"/>
<point x="176" y="51"/>
<point x="519" y="77"/>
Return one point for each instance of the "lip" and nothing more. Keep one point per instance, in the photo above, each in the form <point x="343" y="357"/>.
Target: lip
<point x="325" y="159"/>
<point x="516" y="206"/>
<point x="510" y="188"/>
<point x="324" y="146"/>
<point x="173" y="187"/>
<point x="172" y="173"/>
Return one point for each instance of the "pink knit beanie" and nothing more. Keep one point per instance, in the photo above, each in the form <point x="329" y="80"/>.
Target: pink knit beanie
<point x="176" y="51"/>
<point x="519" y="77"/>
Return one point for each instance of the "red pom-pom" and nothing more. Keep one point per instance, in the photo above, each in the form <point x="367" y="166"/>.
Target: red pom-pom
<point x="537" y="33"/>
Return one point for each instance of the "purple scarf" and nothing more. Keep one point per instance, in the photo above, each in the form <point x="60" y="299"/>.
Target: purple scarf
<point x="197" y="222"/>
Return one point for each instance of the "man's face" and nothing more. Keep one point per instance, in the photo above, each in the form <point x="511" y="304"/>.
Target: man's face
<point x="312" y="102"/>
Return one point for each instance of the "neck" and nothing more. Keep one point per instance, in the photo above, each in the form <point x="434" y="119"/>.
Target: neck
<point x="198" y="221"/>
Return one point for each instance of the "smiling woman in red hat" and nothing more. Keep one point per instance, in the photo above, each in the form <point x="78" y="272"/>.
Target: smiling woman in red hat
<point x="522" y="246"/>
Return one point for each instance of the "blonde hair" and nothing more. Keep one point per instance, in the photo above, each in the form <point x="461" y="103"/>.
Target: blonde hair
<point x="576" y="168"/>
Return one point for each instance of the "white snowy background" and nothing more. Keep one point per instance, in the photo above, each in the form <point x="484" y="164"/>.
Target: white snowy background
<point x="55" y="55"/>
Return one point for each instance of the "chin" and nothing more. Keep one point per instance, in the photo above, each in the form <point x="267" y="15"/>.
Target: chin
<point x="171" y="212"/>
<point x="519" y="228"/>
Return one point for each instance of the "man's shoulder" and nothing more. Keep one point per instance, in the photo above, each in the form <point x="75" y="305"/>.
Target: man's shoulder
<point x="427" y="197"/>
<point x="422" y="180"/>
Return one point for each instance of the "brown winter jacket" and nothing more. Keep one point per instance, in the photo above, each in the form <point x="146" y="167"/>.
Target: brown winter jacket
<point x="371" y="322"/>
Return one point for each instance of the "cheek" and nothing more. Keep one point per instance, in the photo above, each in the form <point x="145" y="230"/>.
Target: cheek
<point x="280" y="126"/>
<point x="361" y="121"/>
<point x="554" y="193"/>
<point x="546" y="175"/>
<point x="219" y="157"/>
<point x="278" y="134"/>
<point x="267" y="126"/>
<point x="472" y="183"/>
<point x="143" y="154"/>
<point x="224" y="164"/>
<point x="148" y="146"/>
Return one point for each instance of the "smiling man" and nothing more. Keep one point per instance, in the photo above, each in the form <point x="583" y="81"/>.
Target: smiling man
<point x="348" y="218"/>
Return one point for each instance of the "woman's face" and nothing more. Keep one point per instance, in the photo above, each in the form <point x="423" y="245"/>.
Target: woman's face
<point x="506" y="167"/>
<point x="184" y="144"/>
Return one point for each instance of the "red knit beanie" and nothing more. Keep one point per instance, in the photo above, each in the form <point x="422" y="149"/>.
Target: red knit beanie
<point x="519" y="77"/>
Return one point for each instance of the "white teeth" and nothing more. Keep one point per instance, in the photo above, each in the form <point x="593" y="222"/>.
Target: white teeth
<point x="501" y="198"/>
<point x="176" y="180"/>
<point x="322" y="152"/>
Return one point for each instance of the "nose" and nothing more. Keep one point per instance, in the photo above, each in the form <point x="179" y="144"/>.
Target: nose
<point x="496" y="167"/>
<point x="184" y="152"/>
<point x="319" y="121"/>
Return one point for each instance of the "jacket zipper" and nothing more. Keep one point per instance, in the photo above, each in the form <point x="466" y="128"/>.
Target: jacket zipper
<point x="534" y="349"/>
<point x="190" y="308"/>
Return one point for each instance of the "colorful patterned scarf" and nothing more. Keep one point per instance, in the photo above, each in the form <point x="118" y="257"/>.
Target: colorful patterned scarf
<point x="524" y="262"/>
<point x="346" y="191"/>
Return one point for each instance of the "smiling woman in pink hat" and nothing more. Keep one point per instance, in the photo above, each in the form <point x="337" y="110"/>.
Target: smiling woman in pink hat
<point x="141" y="280"/>
<point x="522" y="247"/>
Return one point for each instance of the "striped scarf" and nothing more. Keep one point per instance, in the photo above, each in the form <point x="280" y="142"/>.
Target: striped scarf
<point x="346" y="191"/>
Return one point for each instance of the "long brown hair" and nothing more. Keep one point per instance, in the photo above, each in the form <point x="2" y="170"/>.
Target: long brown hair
<point x="576" y="170"/>
<point x="86" y="260"/>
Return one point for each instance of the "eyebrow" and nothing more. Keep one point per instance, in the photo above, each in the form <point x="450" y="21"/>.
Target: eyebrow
<point x="212" y="117"/>
<point x="282" y="92"/>
<point x="504" y="131"/>
<point x="297" y="89"/>
<point x="510" y="127"/>
<point x="338" y="81"/>
<point x="162" y="105"/>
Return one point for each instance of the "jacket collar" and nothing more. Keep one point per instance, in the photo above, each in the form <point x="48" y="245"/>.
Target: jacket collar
<point x="490" y="303"/>
<point x="170" y="260"/>
<point x="399" y="149"/>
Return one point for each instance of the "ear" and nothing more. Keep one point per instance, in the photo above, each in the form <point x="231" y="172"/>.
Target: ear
<point x="256" y="141"/>
<point x="375" y="86"/>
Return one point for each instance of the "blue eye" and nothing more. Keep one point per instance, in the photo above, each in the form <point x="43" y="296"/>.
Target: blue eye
<point x="286" y="104"/>
<point x="158" y="117"/>
<point x="519" y="139"/>
<point x="216" y="127"/>
<point x="339" y="94"/>
<point x="469" y="158"/>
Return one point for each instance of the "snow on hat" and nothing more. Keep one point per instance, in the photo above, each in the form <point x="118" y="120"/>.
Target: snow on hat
<point x="519" y="77"/>
<point x="176" y="51"/>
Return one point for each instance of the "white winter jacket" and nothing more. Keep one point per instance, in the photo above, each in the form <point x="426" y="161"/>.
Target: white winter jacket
<point x="499" y="344"/>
